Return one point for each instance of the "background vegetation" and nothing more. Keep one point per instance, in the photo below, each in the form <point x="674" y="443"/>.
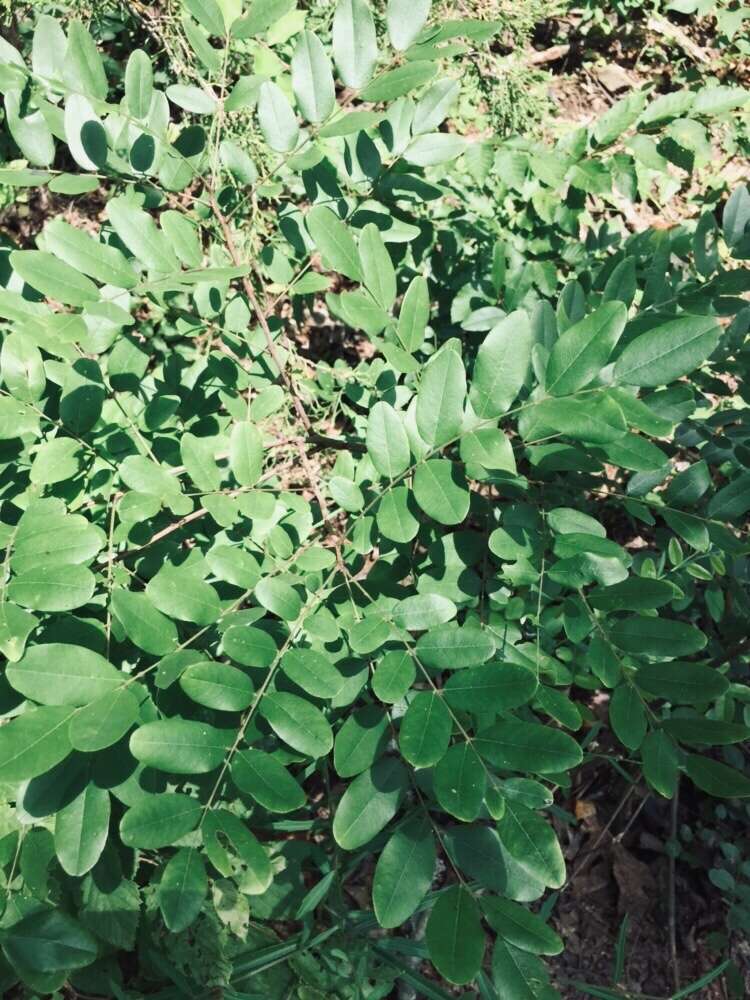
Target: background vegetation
<point x="374" y="478"/>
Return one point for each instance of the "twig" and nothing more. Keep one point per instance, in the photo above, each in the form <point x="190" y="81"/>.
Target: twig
<point x="674" y="33"/>
<point x="672" y="891"/>
<point x="175" y="526"/>
<point x="633" y="818"/>
<point x="283" y="373"/>
<point x="552" y="54"/>
<point x="260" y="314"/>
<point x="602" y="834"/>
<point x="737" y="650"/>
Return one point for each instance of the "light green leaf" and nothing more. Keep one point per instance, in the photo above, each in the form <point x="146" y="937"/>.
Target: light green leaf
<point x="238" y="162"/>
<point x="583" y="350"/>
<point x="298" y="723"/>
<point x="397" y="515"/>
<point x="387" y="441"/>
<point x="139" y="83"/>
<point x="279" y="598"/>
<point x="526" y="746"/>
<point x="441" y="491"/>
<point x="400" y="81"/>
<point x="491" y="687"/>
<point x="246" y="848"/>
<point x="233" y="564"/>
<point x="433" y="107"/>
<point x="16" y="418"/>
<point x="596" y="419"/>
<point x="414" y="315"/>
<point x="263" y="777"/>
<point x="360" y="741"/>
<point x="34" y="742"/>
<point x="104" y="721"/>
<point x="246" y="453"/>
<point x="140" y="234"/>
<point x="29" y="130"/>
<point x="619" y="118"/>
<point x="519" y="927"/>
<point x="159" y="820"/>
<point x="84" y="133"/>
<point x="656" y="636"/>
<point x="393" y="676"/>
<point x="335" y="242"/>
<point x="57" y="674"/>
<point x="75" y="247"/>
<point x="244" y="93"/>
<point x="49" y="941"/>
<point x="718" y="100"/>
<point x="218" y="686"/>
<point x="486" y="448"/>
<point x="627" y="716"/>
<point x="183" y="237"/>
<point x="531" y="841"/>
<point x="435" y="147"/>
<point x="208" y="13"/>
<point x="459" y="782"/>
<point x="193" y="99"/>
<point x="147" y="628"/>
<point x="377" y="268"/>
<point x="452" y="648"/>
<point x="348" y="124"/>
<point x="425" y="730"/>
<point x="23" y="178"/>
<point x="404" y="872"/>
<point x="22" y="370"/>
<point x="667" y="352"/>
<point x="369" y="803"/>
<point x="278" y="123"/>
<point x="313" y="672"/>
<point x="53" y="278"/>
<point x="81" y="830"/>
<point x="312" y="78"/>
<point x="502" y="366"/>
<point x="182" y="889"/>
<point x="660" y="762"/>
<point x="16" y="625"/>
<point x="58" y="588"/>
<point x="84" y="71"/>
<point x="423" y="611"/>
<point x="56" y="460"/>
<point x="682" y="683"/>
<point x="180" y="746"/>
<point x="405" y="20"/>
<point x="178" y="593"/>
<point x="252" y="647"/>
<point x="355" y="46"/>
<point x="454" y="934"/>
<point x="440" y="399"/>
<point x="346" y="494"/>
<point x="48" y="48"/>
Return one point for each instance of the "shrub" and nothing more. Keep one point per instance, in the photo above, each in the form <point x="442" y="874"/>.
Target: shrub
<point x="334" y="477"/>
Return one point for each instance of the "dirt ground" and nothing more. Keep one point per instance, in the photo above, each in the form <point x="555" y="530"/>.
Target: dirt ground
<point x="619" y="871"/>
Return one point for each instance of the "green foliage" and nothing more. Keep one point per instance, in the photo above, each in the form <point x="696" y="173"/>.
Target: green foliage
<point x="273" y="620"/>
